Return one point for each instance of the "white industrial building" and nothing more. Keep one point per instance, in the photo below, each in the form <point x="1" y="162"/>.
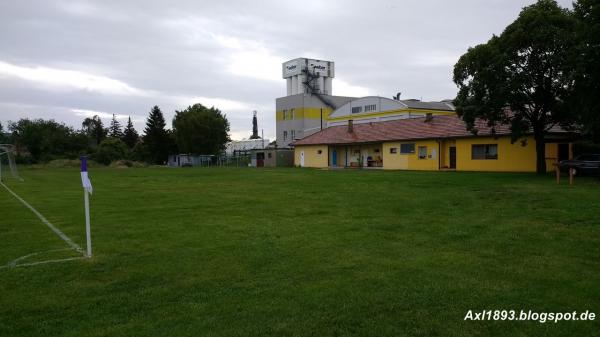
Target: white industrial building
<point x="309" y="105"/>
<point x="245" y="145"/>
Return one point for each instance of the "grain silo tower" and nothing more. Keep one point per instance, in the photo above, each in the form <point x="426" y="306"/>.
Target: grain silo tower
<point x="308" y="101"/>
<point x="308" y="76"/>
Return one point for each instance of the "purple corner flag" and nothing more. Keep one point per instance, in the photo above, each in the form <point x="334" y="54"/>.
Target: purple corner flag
<point x="83" y="163"/>
<point x="85" y="181"/>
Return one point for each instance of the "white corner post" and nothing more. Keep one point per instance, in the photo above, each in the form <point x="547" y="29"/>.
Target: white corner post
<point x="88" y="234"/>
<point x="87" y="190"/>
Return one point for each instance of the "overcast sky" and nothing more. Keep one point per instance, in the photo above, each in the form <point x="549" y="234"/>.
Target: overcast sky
<point x="68" y="60"/>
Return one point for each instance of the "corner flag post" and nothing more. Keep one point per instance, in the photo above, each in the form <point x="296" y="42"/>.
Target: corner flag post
<point x="87" y="190"/>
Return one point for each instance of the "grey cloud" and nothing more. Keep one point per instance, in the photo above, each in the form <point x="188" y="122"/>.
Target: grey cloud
<point x="186" y="48"/>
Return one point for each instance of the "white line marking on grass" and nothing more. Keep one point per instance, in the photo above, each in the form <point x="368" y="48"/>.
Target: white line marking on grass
<point x="51" y="261"/>
<point x="45" y="221"/>
<point x="43" y="262"/>
<point x="16" y="261"/>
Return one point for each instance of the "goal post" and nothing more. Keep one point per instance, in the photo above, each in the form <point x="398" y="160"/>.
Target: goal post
<point x="8" y="165"/>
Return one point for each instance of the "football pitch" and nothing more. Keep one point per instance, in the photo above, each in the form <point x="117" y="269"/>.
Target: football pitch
<point x="297" y="252"/>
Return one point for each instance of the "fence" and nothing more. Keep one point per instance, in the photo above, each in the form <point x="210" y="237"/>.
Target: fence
<point x="234" y="161"/>
<point x="183" y="160"/>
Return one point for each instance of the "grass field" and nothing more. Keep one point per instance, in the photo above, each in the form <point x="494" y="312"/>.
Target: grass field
<point x="299" y="252"/>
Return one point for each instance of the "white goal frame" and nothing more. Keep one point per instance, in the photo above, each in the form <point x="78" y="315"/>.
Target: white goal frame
<point x="8" y="151"/>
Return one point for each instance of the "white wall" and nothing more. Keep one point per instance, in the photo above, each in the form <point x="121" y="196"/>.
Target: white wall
<point x="244" y="145"/>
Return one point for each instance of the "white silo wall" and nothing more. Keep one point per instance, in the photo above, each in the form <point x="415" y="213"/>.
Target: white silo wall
<point x="294" y="85"/>
<point x="321" y="84"/>
<point x="328" y="88"/>
<point x="301" y="79"/>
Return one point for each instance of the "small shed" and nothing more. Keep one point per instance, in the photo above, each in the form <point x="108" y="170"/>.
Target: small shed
<point x="272" y="158"/>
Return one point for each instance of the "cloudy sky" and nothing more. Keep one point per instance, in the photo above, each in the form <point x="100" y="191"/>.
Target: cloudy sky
<point x="68" y="60"/>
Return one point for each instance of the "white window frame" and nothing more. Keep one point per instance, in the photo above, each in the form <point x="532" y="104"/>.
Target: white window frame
<point x="370" y="107"/>
<point x="421" y="156"/>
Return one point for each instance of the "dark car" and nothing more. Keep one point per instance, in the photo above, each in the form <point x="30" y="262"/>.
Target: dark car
<point x="584" y="164"/>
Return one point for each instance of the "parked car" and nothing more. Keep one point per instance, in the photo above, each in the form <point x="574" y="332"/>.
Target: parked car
<point x="584" y="164"/>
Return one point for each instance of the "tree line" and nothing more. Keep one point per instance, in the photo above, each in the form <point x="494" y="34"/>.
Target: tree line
<point x="196" y="129"/>
<point x="543" y="71"/>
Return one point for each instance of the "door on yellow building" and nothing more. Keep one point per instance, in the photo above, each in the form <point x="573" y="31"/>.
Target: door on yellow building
<point x="334" y="158"/>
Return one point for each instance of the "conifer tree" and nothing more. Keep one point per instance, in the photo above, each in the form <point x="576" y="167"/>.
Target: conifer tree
<point x="114" y="131"/>
<point x="130" y="135"/>
<point x="156" y="137"/>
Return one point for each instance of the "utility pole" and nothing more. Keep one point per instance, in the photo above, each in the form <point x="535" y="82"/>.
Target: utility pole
<point x="321" y="118"/>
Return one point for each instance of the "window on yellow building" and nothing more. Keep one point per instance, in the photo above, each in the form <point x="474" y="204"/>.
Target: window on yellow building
<point x="292" y="114"/>
<point x="393" y="150"/>
<point x="407" y="148"/>
<point x="484" y="151"/>
<point x="319" y="151"/>
<point x="285" y="112"/>
<point x="422" y="152"/>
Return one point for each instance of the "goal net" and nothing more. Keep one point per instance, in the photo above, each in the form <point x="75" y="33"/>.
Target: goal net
<point x="8" y="166"/>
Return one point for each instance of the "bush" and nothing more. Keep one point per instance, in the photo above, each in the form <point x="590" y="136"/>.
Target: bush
<point x="127" y="163"/>
<point x="64" y="163"/>
<point x="111" y="149"/>
<point x="58" y="163"/>
<point x="24" y="160"/>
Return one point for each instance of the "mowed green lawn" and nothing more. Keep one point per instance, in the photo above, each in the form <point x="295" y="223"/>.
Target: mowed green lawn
<point x="299" y="252"/>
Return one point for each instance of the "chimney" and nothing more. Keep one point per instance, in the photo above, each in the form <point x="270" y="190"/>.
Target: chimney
<point x="428" y="117"/>
<point x="350" y="126"/>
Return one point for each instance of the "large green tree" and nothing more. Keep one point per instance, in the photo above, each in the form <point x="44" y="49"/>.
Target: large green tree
<point x="46" y="139"/>
<point x="156" y="138"/>
<point x="586" y="98"/>
<point x="95" y="129"/>
<point x="130" y="135"/>
<point x="522" y="77"/>
<point x="201" y="130"/>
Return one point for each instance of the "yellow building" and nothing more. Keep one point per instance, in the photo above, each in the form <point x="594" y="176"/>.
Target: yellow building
<point x="426" y="143"/>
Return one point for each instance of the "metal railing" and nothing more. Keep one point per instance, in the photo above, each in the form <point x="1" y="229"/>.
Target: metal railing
<point x="239" y="160"/>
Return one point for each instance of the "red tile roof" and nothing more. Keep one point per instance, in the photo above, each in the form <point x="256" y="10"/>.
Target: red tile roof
<point x="449" y="126"/>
